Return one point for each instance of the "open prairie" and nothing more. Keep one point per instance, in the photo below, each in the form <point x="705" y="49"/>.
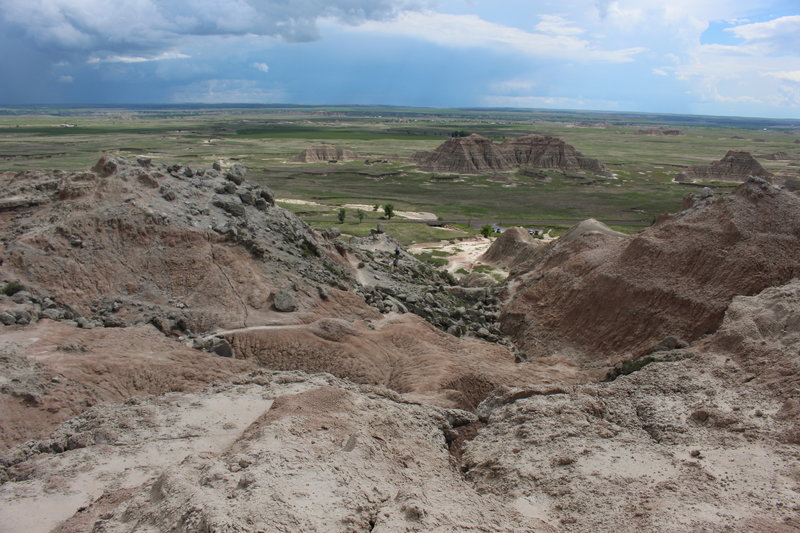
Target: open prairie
<point x="643" y="160"/>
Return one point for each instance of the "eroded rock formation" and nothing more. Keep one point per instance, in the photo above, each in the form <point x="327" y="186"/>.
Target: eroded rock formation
<point x="735" y="166"/>
<point x="537" y="151"/>
<point x="204" y="256"/>
<point x="512" y="247"/>
<point x="690" y="432"/>
<point x="658" y="445"/>
<point x="324" y="153"/>
<point x="776" y="156"/>
<point x="476" y="155"/>
<point x="473" y="154"/>
<point x="599" y="297"/>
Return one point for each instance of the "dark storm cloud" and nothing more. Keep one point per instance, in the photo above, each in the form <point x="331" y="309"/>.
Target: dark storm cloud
<point x="39" y="37"/>
<point x="129" y="25"/>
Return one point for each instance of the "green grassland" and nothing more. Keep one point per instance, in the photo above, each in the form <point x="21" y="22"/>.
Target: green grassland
<point x="406" y="233"/>
<point x="264" y="138"/>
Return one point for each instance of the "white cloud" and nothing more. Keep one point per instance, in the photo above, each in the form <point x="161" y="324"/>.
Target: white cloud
<point x="65" y="79"/>
<point x="755" y="71"/>
<point x="638" y="11"/>
<point x="769" y="29"/>
<point x="263" y="67"/>
<point x="789" y="76"/>
<point x="781" y="35"/>
<point x="471" y="31"/>
<point x="557" y="25"/>
<point x="551" y="102"/>
<point x="137" y="59"/>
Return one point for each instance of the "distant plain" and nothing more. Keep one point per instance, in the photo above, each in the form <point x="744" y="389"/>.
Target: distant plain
<point x="264" y="138"/>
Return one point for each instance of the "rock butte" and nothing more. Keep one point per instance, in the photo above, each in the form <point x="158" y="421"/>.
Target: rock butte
<point x="735" y="166"/>
<point x="475" y="154"/>
<point x="655" y="386"/>
<point x="324" y="153"/>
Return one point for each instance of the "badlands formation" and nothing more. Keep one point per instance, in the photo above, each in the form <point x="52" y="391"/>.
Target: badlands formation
<point x="475" y="154"/>
<point x="735" y="166"/>
<point x="324" y="153"/>
<point x="180" y="354"/>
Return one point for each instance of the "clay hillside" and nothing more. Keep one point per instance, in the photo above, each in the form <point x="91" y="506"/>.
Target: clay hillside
<point x="180" y="354"/>
<point x="600" y="296"/>
<point x="776" y="156"/>
<point x="735" y="166"/>
<point x="324" y="153"/>
<point x="475" y="154"/>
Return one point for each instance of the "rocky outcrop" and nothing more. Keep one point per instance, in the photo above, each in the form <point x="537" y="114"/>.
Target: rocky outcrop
<point x="653" y="445"/>
<point x="761" y="333"/>
<point x="219" y="267"/>
<point x="324" y="153"/>
<point x="601" y="298"/>
<point x="512" y="247"/>
<point x="776" y="156"/>
<point x="137" y="241"/>
<point x="537" y="151"/>
<point x="686" y="438"/>
<point x="477" y="155"/>
<point x="473" y="154"/>
<point x="276" y="452"/>
<point x="735" y="166"/>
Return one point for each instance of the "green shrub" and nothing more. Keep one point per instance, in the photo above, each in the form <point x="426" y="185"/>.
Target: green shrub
<point x="12" y="287"/>
<point x="429" y="258"/>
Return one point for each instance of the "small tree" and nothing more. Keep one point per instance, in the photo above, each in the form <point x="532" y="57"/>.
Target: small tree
<point x="388" y="210"/>
<point x="376" y="207"/>
<point x="486" y="230"/>
<point x="342" y="215"/>
<point x="360" y="215"/>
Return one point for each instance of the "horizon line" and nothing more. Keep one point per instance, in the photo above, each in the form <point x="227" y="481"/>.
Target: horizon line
<point x="388" y="106"/>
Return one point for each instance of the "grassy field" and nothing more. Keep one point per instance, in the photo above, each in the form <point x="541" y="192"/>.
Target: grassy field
<point x="264" y="138"/>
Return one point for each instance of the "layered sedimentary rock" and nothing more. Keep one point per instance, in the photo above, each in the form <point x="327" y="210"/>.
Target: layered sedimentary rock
<point x="324" y="153"/>
<point x="519" y="252"/>
<point x="133" y="249"/>
<point x="162" y="437"/>
<point x="464" y="155"/>
<point x="776" y="156"/>
<point x="539" y="151"/>
<point x="735" y="166"/>
<point x="601" y="297"/>
<point x="138" y="241"/>
<point x="512" y="247"/>
<point x="661" y="443"/>
<point x="476" y="155"/>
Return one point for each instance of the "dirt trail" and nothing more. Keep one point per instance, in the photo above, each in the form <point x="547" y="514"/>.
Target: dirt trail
<point x="461" y="255"/>
<point x="413" y="215"/>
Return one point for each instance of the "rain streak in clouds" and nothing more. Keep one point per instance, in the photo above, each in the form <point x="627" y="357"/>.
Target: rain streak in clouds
<point x="714" y="57"/>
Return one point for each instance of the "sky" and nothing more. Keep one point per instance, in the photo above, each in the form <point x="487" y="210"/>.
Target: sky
<point x="710" y="57"/>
